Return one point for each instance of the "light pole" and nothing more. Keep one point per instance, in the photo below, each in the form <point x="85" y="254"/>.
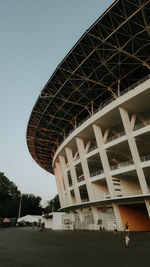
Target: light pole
<point x="19" y="212"/>
<point x="53" y="205"/>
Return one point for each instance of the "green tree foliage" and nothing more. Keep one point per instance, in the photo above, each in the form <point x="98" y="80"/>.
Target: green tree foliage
<point x="54" y="205"/>
<point x="30" y="205"/>
<point x="10" y="198"/>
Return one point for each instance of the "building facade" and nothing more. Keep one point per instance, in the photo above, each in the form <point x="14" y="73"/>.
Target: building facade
<point x="91" y="123"/>
<point x="103" y="167"/>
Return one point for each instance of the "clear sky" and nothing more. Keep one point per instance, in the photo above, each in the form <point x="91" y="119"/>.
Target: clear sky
<point x="35" y="35"/>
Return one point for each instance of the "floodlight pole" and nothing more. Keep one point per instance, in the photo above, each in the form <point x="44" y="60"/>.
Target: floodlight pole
<point x="19" y="213"/>
<point x="52" y="205"/>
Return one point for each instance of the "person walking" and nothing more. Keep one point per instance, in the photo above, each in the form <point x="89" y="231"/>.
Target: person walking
<point x="42" y="227"/>
<point x="115" y="228"/>
<point x="127" y="239"/>
<point x="127" y="228"/>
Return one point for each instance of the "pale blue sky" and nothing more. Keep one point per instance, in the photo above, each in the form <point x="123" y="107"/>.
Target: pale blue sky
<point x="35" y="35"/>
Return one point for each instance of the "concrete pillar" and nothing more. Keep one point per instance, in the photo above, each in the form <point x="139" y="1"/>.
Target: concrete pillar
<point x="63" y="168"/>
<point x="85" y="168"/>
<point x="61" y="197"/>
<point x="147" y="203"/>
<point x="81" y="215"/>
<point x="72" y="218"/>
<point x="104" y="158"/>
<point x="73" y="174"/>
<point x="133" y="148"/>
<point x="60" y="185"/>
<point x="118" y="217"/>
<point x="96" y="217"/>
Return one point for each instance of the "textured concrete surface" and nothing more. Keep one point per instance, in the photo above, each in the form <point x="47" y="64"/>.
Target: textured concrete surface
<point x="29" y="247"/>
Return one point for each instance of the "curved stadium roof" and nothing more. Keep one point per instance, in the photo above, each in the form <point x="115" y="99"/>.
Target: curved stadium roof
<point x="113" y="54"/>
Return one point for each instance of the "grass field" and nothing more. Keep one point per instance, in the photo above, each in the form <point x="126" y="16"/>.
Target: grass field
<point x="29" y="247"/>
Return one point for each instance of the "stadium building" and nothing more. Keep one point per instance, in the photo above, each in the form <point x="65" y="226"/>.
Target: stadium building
<point x="90" y="125"/>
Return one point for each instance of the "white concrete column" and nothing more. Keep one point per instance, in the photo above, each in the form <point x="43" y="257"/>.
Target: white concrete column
<point x="72" y="216"/>
<point x="118" y="217"/>
<point x="95" y="216"/>
<point x="85" y="168"/>
<point x="73" y="174"/>
<point x="147" y="203"/>
<point x="81" y="215"/>
<point x="60" y="185"/>
<point x="133" y="148"/>
<point x="104" y="158"/>
<point x="65" y="176"/>
<point x="61" y="197"/>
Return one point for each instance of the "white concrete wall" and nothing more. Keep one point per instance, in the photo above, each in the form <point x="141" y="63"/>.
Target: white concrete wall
<point x="48" y="223"/>
<point x="57" y="223"/>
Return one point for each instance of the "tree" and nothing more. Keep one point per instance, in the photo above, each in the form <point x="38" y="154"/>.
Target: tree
<point x="10" y="198"/>
<point x="31" y="205"/>
<point x="54" y="205"/>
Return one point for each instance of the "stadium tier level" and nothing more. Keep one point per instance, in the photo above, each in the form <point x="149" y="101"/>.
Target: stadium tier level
<point x="91" y="123"/>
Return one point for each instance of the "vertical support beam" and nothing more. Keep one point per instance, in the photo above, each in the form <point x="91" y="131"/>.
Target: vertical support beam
<point x="118" y="217"/>
<point x="62" y="201"/>
<point x="133" y="148"/>
<point x="81" y="215"/>
<point x="147" y="203"/>
<point x="92" y="107"/>
<point x="73" y="174"/>
<point x="118" y="88"/>
<point x="85" y="168"/>
<point x="72" y="217"/>
<point x="104" y="158"/>
<point x="88" y="146"/>
<point x="65" y="176"/>
<point x="95" y="216"/>
<point x="133" y="119"/>
<point x="76" y="155"/>
<point x="60" y="185"/>
<point x="75" y="122"/>
<point x="106" y="135"/>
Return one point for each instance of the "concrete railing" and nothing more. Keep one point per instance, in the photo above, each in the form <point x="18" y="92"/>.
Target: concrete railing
<point x="141" y="125"/>
<point x="85" y="200"/>
<point x="96" y="173"/>
<point x="128" y="163"/>
<point x="132" y="193"/>
<point x="115" y="136"/>
<point x="121" y="165"/>
<point x="145" y="158"/>
<point x="92" y="148"/>
<point x="80" y="178"/>
<point x="136" y="127"/>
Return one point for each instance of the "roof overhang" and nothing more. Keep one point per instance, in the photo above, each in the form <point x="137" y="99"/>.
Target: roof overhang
<point x="112" y="55"/>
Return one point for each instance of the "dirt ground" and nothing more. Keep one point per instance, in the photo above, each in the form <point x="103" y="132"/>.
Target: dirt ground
<point x="29" y="247"/>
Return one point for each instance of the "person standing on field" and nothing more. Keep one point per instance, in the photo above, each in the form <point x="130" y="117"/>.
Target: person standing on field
<point x="115" y="228"/>
<point x="127" y="228"/>
<point x="127" y="239"/>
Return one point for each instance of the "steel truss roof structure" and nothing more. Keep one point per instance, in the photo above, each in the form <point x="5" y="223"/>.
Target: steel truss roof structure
<point x="111" y="56"/>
